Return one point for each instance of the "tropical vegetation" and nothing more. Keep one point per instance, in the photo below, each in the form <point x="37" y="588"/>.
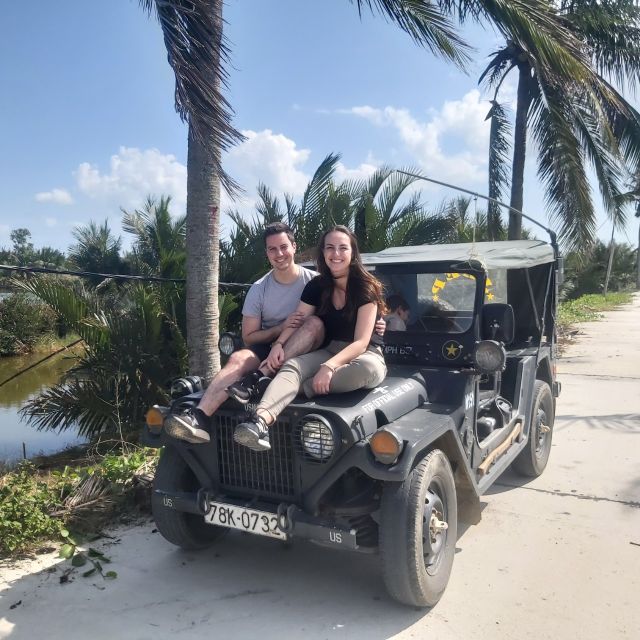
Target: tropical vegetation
<point x="568" y="104"/>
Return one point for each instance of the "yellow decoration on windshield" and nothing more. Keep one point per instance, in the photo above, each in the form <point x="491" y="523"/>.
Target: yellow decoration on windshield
<point x="439" y="285"/>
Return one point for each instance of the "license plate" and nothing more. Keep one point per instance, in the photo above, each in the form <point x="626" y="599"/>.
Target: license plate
<point x="261" y="523"/>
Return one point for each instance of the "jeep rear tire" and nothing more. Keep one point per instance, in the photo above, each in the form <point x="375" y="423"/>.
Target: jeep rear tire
<point x="186" y="530"/>
<point x="532" y="460"/>
<point x="418" y="532"/>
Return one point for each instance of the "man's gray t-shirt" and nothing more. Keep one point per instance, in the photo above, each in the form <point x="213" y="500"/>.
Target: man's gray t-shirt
<point x="272" y="301"/>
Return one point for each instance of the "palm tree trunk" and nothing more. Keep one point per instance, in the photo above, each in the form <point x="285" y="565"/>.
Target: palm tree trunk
<point x="638" y="258"/>
<point x="203" y="245"/>
<point x="519" y="149"/>
<point x="612" y="248"/>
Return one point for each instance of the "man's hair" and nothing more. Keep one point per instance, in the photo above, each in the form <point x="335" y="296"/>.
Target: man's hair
<point x="275" y="228"/>
<point x="395" y="302"/>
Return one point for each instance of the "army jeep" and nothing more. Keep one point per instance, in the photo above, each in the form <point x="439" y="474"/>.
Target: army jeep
<point x="470" y="392"/>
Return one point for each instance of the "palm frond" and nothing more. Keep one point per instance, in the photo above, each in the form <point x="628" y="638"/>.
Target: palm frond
<point x="199" y="54"/>
<point x="561" y="169"/>
<point x="499" y="150"/>
<point x="425" y="24"/>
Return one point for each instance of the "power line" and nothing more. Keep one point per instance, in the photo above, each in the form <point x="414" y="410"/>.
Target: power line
<point x="114" y="276"/>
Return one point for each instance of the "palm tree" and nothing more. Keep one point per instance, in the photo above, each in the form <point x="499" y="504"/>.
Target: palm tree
<point x="575" y="116"/>
<point x="159" y="247"/>
<point x="198" y="55"/>
<point x="379" y="209"/>
<point x="96" y="250"/>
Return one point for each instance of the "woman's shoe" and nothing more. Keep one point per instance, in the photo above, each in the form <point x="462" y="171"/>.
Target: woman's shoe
<point x="254" y="434"/>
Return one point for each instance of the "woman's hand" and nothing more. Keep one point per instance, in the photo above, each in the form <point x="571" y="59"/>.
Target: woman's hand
<point x="322" y="380"/>
<point x="276" y="356"/>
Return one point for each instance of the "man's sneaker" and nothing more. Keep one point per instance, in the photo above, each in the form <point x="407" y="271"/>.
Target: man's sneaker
<point x="243" y="390"/>
<point x="253" y="434"/>
<point x="186" y="426"/>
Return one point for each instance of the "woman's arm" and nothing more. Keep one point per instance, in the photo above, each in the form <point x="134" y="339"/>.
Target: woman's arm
<point x="365" y="321"/>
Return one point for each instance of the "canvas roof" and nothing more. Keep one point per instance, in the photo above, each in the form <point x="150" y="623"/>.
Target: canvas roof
<point x="507" y="254"/>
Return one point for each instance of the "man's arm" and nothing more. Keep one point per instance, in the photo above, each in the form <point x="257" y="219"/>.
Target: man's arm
<point x="252" y="333"/>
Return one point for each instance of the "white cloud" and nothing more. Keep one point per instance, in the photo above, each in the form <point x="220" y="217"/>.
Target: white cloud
<point x="133" y="175"/>
<point x="451" y="145"/>
<point x="361" y="172"/>
<point x="50" y="222"/>
<point x="58" y="196"/>
<point x="271" y="158"/>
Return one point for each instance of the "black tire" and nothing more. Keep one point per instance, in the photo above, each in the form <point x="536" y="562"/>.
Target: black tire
<point x="186" y="530"/>
<point x="416" y="568"/>
<point x="532" y="460"/>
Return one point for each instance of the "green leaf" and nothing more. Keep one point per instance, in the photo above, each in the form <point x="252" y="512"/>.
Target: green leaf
<point x="111" y="575"/>
<point x="89" y="573"/>
<point x="79" y="560"/>
<point x="67" y="551"/>
<point x="94" y="553"/>
<point x="64" y="533"/>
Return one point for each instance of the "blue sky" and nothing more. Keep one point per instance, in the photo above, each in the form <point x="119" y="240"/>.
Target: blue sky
<point x="88" y="125"/>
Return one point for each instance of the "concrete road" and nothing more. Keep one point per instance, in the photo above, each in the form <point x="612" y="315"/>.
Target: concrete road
<point x="557" y="557"/>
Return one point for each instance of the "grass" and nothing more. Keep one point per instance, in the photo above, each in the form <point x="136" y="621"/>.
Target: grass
<point x="589" y="307"/>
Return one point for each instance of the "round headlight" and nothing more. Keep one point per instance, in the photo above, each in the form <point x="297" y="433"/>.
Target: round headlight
<point x="490" y="356"/>
<point x="317" y="437"/>
<point x="227" y="344"/>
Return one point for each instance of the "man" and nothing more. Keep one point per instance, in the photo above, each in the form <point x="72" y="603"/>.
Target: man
<point x="399" y="313"/>
<point x="269" y="307"/>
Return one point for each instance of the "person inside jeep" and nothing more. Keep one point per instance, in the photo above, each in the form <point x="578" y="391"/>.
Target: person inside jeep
<point x="400" y="312"/>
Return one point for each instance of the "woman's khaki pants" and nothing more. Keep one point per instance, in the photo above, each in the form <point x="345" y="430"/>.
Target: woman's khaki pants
<point x="296" y="375"/>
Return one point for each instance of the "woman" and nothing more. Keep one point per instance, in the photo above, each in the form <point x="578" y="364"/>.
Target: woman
<point x="348" y="299"/>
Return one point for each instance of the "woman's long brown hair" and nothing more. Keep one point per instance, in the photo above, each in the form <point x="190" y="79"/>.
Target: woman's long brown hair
<point x="360" y="281"/>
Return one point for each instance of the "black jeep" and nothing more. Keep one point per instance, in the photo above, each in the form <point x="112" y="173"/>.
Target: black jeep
<point x="471" y="391"/>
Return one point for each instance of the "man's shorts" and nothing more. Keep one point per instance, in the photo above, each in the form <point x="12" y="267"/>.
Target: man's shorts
<point x="261" y="350"/>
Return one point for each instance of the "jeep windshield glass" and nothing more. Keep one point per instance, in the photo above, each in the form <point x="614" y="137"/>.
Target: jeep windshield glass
<point x="437" y="302"/>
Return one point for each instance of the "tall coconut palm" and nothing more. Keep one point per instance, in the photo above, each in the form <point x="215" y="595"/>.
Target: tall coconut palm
<point x="577" y="119"/>
<point x="198" y="54"/>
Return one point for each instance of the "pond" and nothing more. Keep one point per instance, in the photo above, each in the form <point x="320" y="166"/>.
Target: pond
<point x="15" y="434"/>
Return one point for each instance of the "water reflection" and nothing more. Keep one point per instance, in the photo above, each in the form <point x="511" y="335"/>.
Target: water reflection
<point x="14" y="394"/>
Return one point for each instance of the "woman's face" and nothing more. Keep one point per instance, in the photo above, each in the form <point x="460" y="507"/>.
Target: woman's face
<point x="337" y="253"/>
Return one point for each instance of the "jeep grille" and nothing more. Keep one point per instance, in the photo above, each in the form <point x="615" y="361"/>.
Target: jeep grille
<point x="264" y="473"/>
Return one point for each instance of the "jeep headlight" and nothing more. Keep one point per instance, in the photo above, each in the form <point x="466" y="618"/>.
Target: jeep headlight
<point x="227" y="344"/>
<point x="489" y="356"/>
<point x="317" y="437"/>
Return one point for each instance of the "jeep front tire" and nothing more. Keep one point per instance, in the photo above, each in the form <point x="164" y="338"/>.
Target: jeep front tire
<point x="418" y="532"/>
<point x="186" y="530"/>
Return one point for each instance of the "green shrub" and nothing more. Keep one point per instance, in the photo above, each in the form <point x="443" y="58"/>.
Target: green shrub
<point x="26" y="504"/>
<point x="23" y="320"/>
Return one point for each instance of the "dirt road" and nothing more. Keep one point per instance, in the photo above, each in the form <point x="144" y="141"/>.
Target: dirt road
<point x="558" y="557"/>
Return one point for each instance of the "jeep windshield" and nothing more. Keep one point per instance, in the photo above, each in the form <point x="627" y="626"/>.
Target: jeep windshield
<point x="438" y="301"/>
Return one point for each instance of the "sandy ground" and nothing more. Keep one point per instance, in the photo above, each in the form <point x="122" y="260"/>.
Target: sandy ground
<point x="557" y="557"/>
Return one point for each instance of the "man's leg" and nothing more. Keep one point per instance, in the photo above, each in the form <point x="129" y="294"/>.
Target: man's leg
<point x="306" y="338"/>
<point x="191" y="425"/>
<point x="239" y="364"/>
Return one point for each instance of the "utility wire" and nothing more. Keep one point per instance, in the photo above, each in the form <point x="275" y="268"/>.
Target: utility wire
<point x="115" y="276"/>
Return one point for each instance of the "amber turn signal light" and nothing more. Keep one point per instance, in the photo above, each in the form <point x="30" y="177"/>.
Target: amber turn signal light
<point x="155" y="418"/>
<point x="386" y="446"/>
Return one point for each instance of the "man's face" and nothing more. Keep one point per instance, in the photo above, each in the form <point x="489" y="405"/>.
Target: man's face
<point x="280" y="251"/>
<point x="403" y="314"/>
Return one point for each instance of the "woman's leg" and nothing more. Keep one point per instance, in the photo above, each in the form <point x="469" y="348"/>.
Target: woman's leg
<point x="254" y="433"/>
<point x="364" y="372"/>
<point x="288" y="382"/>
